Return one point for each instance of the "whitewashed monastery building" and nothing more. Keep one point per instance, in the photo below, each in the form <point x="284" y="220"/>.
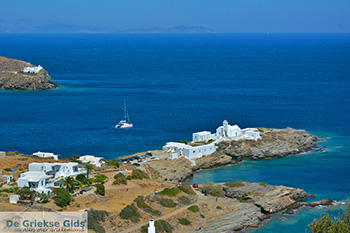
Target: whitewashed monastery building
<point x="43" y="177"/>
<point x="32" y="70"/>
<point x="204" y="143"/>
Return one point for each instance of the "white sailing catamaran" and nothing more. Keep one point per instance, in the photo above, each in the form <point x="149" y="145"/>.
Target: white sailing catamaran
<point x="123" y="124"/>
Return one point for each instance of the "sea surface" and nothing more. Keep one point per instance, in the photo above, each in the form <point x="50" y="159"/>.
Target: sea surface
<point x="178" y="84"/>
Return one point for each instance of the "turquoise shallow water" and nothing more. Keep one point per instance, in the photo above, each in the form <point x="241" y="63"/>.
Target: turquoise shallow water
<point x="178" y="84"/>
<point x="324" y="174"/>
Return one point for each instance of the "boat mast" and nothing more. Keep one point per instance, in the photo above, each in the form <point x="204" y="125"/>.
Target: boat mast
<point x="126" y="114"/>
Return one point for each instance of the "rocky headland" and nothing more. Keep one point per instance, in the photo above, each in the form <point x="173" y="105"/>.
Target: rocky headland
<point x="12" y="76"/>
<point x="213" y="207"/>
<point x="275" y="143"/>
<point x="257" y="201"/>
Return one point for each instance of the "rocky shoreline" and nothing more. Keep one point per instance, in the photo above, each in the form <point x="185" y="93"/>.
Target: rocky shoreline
<point x="257" y="202"/>
<point x="12" y="76"/>
<point x="275" y="143"/>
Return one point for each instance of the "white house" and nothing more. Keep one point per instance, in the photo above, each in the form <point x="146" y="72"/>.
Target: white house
<point x="32" y="70"/>
<point x="189" y="151"/>
<point x="42" y="177"/>
<point x="46" y="155"/>
<point x="36" y="180"/>
<point x="2" y="154"/>
<point x="201" y="144"/>
<point x="96" y="161"/>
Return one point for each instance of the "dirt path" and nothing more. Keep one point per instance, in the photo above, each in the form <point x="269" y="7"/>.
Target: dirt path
<point x="169" y="215"/>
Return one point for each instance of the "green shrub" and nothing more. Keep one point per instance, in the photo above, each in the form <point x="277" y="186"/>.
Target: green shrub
<point x="120" y="179"/>
<point x="171" y="192"/>
<point x="202" y="216"/>
<point x="100" y="178"/>
<point x="130" y="212"/>
<point x="326" y="224"/>
<point x="241" y="200"/>
<point x="100" y="189"/>
<point x="187" y="188"/>
<point x="219" y="207"/>
<point x="81" y="178"/>
<point x="263" y="184"/>
<point x="9" y="190"/>
<point x="193" y="208"/>
<point x="7" y="169"/>
<point x="163" y="226"/>
<point x="237" y="183"/>
<point x="44" y="198"/>
<point x="184" y="200"/>
<point x="137" y="174"/>
<point x="62" y="197"/>
<point x="140" y="203"/>
<point x="183" y="141"/>
<point x="71" y="184"/>
<point x="25" y="193"/>
<point x="144" y="229"/>
<point x="184" y="221"/>
<point x="94" y="219"/>
<point x="167" y="203"/>
<point x="13" y="152"/>
<point x="113" y="163"/>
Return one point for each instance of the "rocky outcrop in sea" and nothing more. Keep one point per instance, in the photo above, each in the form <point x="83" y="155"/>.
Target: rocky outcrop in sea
<point x="274" y="143"/>
<point x="12" y="76"/>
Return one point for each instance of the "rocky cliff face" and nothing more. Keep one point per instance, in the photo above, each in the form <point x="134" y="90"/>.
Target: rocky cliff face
<point x="12" y="77"/>
<point x="274" y="143"/>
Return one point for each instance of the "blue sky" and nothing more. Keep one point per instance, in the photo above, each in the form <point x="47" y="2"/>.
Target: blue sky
<point x="220" y="15"/>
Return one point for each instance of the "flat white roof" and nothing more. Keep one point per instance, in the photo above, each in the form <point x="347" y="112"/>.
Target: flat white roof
<point x="203" y="132"/>
<point x="178" y="144"/>
<point x="34" y="176"/>
<point x="53" y="164"/>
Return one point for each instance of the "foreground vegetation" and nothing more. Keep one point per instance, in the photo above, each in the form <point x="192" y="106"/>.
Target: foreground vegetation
<point x="326" y="224"/>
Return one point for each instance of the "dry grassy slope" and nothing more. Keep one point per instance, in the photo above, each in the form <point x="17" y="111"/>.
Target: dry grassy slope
<point x="11" y="77"/>
<point x="20" y="163"/>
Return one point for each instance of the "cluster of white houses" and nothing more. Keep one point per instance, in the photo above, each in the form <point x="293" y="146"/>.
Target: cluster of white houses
<point x="32" y="70"/>
<point x="204" y="143"/>
<point x="43" y="177"/>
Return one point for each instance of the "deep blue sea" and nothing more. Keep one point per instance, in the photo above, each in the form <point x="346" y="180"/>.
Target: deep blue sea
<point x="178" y="84"/>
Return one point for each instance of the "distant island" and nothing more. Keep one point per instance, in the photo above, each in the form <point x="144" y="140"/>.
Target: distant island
<point x="177" y="29"/>
<point x="21" y="75"/>
<point x="38" y="26"/>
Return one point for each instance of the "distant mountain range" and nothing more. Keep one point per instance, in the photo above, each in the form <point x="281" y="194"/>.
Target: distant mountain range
<point x="177" y="29"/>
<point x="38" y="26"/>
